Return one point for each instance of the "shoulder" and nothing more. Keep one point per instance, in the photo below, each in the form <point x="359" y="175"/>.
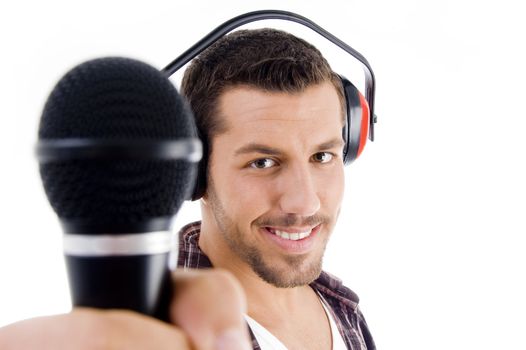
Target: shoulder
<point x="332" y="287"/>
<point x="189" y="255"/>
<point x="343" y="303"/>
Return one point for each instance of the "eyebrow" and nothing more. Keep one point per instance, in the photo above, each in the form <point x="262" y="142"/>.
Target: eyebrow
<point x="257" y="148"/>
<point x="254" y="147"/>
<point x="334" y="143"/>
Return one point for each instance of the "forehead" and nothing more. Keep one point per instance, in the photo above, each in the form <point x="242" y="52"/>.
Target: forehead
<point x="254" y="115"/>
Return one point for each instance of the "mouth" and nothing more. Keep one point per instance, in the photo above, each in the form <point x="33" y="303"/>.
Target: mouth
<point x="292" y="240"/>
<point x="291" y="234"/>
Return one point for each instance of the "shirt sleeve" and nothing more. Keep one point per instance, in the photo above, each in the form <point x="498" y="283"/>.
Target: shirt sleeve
<point x="367" y="337"/>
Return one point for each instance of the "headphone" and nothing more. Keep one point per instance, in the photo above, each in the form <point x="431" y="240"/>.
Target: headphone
<point x="360" y="117"/>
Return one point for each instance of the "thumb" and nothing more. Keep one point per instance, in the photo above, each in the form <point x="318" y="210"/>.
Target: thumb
<point x="209" y="306"/>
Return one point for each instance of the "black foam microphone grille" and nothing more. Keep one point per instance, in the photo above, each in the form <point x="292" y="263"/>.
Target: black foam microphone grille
<point x="116" y="99"/>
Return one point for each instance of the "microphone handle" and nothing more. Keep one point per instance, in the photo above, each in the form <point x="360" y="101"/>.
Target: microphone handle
<point x="140" y="283"/>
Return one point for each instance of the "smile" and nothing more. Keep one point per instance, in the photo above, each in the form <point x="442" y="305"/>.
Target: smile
<point x="293" y="240"/>
<point x="293" y="236"/>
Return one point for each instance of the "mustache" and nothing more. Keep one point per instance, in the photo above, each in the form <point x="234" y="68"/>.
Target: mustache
<point x="293" y="220"/>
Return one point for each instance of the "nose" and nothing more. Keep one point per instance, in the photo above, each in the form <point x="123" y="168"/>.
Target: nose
<point x="299" y="192"/>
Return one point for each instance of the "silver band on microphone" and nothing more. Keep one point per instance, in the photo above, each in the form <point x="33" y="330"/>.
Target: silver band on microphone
<point x="61" y="150"/>
<point x="122" y="244"/>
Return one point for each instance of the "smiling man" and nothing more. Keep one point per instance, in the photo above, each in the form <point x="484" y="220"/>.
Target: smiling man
<point x="270" y="112"/>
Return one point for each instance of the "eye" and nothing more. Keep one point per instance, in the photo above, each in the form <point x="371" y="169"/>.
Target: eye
<point x="263" y="163"/>
<point x="323" y="157"/>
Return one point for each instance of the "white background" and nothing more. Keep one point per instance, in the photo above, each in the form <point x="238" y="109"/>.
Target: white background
<point x="431" y="233"/>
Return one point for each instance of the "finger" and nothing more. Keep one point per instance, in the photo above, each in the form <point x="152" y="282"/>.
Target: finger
<point x="209" y="307"/>
<point x="89" y="329"/>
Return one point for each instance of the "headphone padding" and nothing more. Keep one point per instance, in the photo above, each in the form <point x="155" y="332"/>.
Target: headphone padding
<point x="357" y="122"/>
<point x="365" y="124"/>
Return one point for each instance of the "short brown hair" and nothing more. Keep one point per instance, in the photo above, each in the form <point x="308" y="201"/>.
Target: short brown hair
<point x="268" y="59"/>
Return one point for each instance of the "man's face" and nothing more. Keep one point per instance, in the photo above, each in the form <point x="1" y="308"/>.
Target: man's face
<point x="276" y="179"/>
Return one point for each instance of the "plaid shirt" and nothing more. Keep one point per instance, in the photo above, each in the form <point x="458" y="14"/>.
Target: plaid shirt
<point x="342" y="302"/>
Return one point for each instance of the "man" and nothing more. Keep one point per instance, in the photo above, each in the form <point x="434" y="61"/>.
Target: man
<point x="270" y="111"/>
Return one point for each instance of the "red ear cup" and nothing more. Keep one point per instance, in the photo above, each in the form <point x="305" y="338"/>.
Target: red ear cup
<point x="366" y="113"/>
<point x="356" y="129"/>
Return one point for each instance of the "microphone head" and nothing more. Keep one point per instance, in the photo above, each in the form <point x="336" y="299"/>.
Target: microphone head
<point x="129" y="101"/>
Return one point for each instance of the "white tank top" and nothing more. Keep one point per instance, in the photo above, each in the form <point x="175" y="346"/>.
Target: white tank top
<point x="267" y="340"/>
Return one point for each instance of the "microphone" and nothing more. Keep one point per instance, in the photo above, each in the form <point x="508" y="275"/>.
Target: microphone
<point x="118" y="152"/>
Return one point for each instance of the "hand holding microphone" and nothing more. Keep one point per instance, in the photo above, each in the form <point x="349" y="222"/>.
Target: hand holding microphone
<point x="207" y="312"/>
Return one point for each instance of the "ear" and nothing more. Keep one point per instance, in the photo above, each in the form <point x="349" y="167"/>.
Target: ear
<point x="204" y="198"/>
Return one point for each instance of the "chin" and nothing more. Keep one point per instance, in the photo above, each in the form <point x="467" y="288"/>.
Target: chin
<point x="296" y="272"/>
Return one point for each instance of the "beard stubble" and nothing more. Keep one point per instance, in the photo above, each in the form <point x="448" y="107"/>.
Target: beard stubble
<point x="299" y="270"/>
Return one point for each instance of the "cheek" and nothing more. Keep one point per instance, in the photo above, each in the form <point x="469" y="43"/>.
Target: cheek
<point x="244" y="198"/>
<point x="331" y="188"/>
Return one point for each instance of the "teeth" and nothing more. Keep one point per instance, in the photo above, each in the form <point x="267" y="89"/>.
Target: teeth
<point x="291" y="236"/>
